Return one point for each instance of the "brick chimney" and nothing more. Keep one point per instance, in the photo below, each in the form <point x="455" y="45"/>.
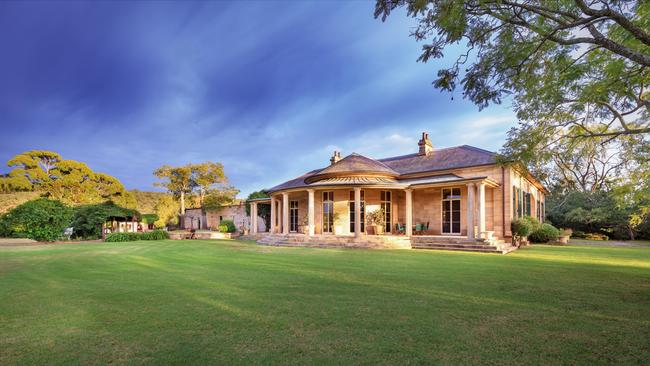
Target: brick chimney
<point x="335" y="158"/>
<point x="425" y="145"/>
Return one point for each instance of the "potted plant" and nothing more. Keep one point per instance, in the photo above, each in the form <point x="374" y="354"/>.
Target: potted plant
<point x="376" y="220"/>
<point x="303" y="224"/>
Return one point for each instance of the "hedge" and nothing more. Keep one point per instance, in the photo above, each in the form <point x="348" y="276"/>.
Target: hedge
<point x="149" y="235"/>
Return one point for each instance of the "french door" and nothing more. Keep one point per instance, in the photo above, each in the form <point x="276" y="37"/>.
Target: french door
<point x="386" y="205"/>
<point x="363" y="212"/>
<point x="293" y="216"/>
<point x="328" y="212"/>
<point x="451" y="210"/>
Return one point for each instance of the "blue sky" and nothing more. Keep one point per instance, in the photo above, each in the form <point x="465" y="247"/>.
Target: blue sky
<point x="267" y="88"/>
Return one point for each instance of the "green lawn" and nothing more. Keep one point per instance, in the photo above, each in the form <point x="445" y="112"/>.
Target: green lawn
<point x="224" y="302"/>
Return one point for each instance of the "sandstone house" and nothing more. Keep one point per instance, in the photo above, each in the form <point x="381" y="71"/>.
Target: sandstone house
<point x="457" y="198"/>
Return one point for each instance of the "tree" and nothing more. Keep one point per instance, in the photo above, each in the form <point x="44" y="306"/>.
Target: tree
<point x="205" y="179"/>
<point x="575" y="69"/>
<point x="36" y="166"/>
<point x="68" y="181"/>
<point x="217" y="198"/>
<point x="40" y="219"/>
<point x="167" y="210"/>
<point x="263" y="211"/>
<point x="206" y="176"/>
<point x="177" y="180"/>
<point x="587" y="165"/>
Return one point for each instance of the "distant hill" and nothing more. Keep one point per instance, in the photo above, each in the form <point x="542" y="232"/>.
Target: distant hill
<point x="11" y="200"/>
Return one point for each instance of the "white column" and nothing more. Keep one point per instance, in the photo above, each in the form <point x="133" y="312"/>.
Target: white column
<point x="310" y="212"/>
<point x="285" y="213"/>
<point x="272" y="228"/>
<point x="254" y="217"/>
<point x="470" y="210"/>
<point x="481" y="209"/>
<point x="357" y="212"/>
<point x="409" y="212"/>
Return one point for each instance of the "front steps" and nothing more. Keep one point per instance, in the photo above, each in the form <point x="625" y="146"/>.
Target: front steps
<point x="454" y="243"/>
<point x="461" y="244"/>
<point x="336" y="241"/>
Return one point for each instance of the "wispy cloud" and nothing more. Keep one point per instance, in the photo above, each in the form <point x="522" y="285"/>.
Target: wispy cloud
<point x="269" y="89"/>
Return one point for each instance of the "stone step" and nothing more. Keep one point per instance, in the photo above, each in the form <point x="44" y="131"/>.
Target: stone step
<point x="462" y="249"/>
<point x="446" y="245"/>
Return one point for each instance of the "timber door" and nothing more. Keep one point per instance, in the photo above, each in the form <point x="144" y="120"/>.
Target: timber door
<point x="451" y="211"/>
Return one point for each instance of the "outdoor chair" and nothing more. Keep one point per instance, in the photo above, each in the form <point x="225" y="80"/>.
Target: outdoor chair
<point x="400" y="228"/>
<point x="67" y="233"/>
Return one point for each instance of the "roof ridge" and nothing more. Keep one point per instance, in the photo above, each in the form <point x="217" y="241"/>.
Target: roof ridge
<point x="416" y="154"/>
<point x="478" y="149"/>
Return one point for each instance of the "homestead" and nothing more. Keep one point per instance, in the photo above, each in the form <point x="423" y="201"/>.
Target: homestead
<point x="451" y="196"/>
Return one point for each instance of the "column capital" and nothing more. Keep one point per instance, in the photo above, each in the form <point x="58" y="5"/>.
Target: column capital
<point x="408" y="189"/>
<point x="470" y="184"/>
<point x="311" y="190"/>
<point x="357" y="189"/>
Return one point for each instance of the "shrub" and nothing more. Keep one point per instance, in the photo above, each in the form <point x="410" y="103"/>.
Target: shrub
<point x="227" y="226"/>
<point x="150" y="235"/>
<point x="544" y="234"/>
<point x="596" y="236"/>
<point x="579" y="234"/>
<point x="40" y="219"/>
<point x="121" y="237"/>
<point x="154" y="235"/>
<point x="534" y="223"/>
<point x="521" y="228"/>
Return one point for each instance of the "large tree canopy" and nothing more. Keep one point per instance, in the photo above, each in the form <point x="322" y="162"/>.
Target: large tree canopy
<point x="68" y="181"/>
<point x="573" y="68"/>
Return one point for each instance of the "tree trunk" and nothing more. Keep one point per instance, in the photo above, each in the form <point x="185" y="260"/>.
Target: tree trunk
<point x="182" y="203"/>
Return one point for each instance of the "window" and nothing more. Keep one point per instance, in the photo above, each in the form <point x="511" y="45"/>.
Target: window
<point x="385" y="198"/>
<point x="293" y="216"/>
<point x="451" y="210"/>
<point x="363" y="212"/>
<point x="528" y="208"/>
<point x="328" y="212"/>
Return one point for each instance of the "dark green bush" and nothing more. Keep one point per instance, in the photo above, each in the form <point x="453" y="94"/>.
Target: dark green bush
<point x="40" y="219"/>
<point x="149" y="235"/>
<point x="121" y="237"/>
<point x="227" y="226"/>
<point x="544" y="234"/>
<point x="579" y="234"/>
<point x="521" y="228"/>
<point x="154" y="235"/>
